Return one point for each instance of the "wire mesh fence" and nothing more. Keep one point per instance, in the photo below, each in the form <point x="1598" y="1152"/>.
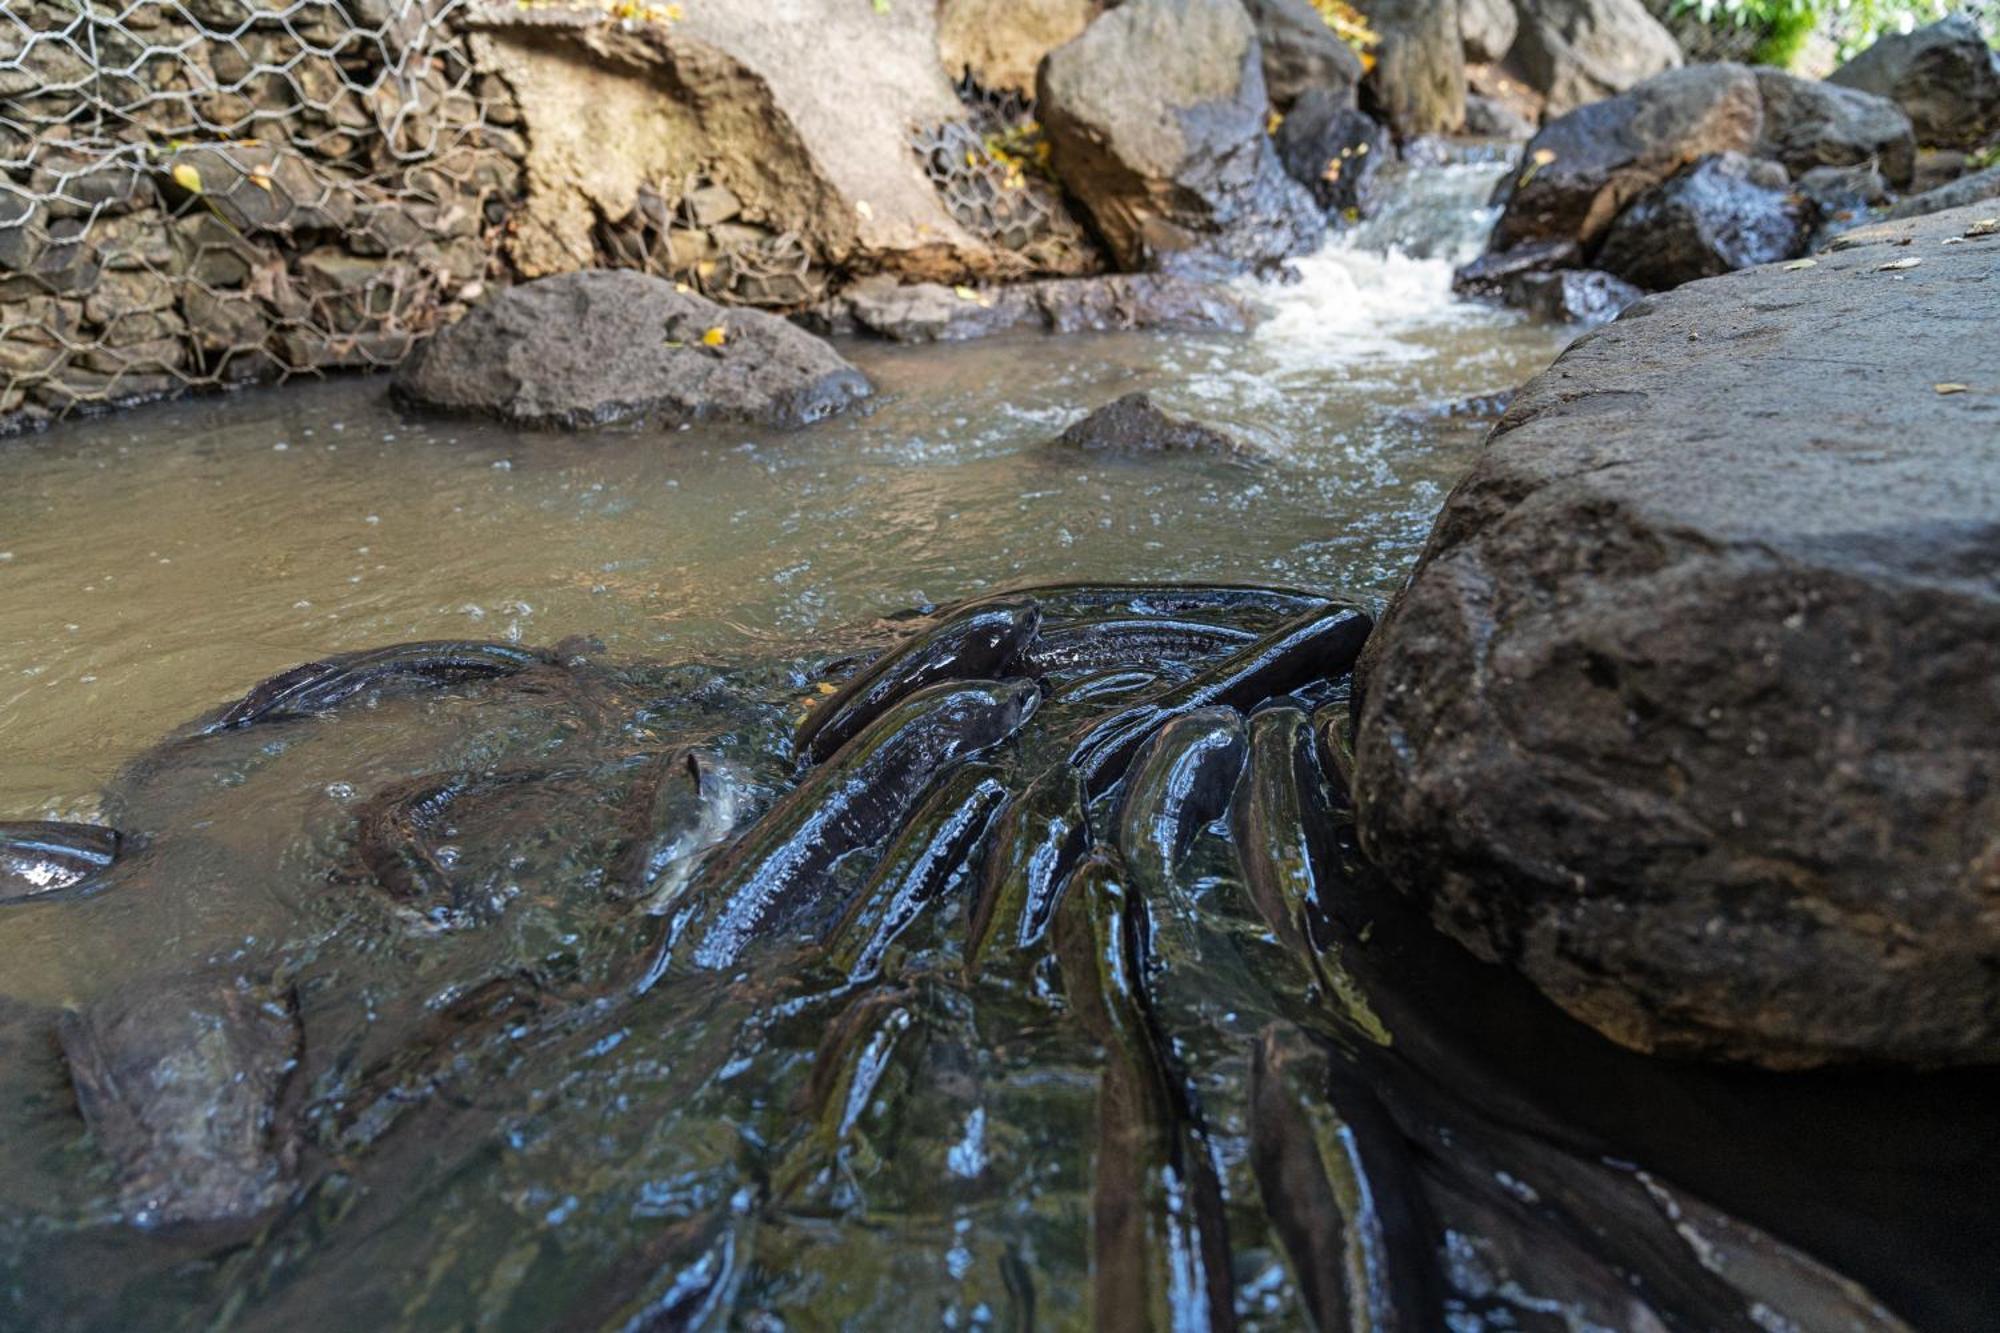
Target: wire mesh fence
<point x="202" y="192"/>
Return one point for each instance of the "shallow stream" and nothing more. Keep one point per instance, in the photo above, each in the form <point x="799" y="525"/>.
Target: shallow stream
<point x="492" y="1137"/>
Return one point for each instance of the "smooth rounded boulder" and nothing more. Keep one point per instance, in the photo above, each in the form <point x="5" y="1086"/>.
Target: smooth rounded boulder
<point x="1583" y="168"/>
<point x="1725" y="212"/>
<point x="1944" y="76"/>
<point x="596" y="347"/>
<point x="1688" y="710"/>
<point x="1579" y="51"/>
<point x="1155" y="118"/>
<point x="1809" y="124"/>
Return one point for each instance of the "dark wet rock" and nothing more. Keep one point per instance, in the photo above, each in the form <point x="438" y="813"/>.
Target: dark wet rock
<point x="39" y="857"/>
<point x="1488" y="28"/>
<point x="1709" y="761"/>
<point x="1843" y="190"/>
<point x="1490" y="275"/>
<point x="1723" y="213"/>
<point x="1945" y="77"/>
<point x="1417" y="84"/>
<point x="1134" y="426"/>
<point x="1302" y="54"/>
<point x="1335" y="151"/>
<point x="1582" y="169"/>
<point x="1491" y="118"/>
<point x="1809" y="124"/>
<point x="1580" y="51"/>
<point x="589" y="348"/>
<point x="1572" y="295"/>
<point x="181" y="1088"/>
<point x="1156" y="119"/>
<point x="1964" y="192"/>
<point x="316" y="687"/>
<point x="931" y="312"/>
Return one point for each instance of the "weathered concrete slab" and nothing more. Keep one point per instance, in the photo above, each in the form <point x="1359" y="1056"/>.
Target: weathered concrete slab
<point x="1691" y="710"/>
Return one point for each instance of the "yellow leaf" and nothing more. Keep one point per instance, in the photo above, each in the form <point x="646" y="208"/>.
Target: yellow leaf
<point x="827" y="687"/>
<point x="1952" y="388"/>
<point x="1272" y="121"/>
<point x="715" y="337"/>
<point x="965" y="293"/>
<point x="187" y="177"/>
<point x="864" y="208"/>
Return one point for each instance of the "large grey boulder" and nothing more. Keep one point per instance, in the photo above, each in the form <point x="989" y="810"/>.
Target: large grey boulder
<point x="1583" y="168"/>
<point x="1155" y="118"/>
<point x="1418" y="83"/>
<point x="587" y="349"/>
<point x="1725" y="212"/>
<point x="1001" y="43"/>
<point x="1576" y="52"/>
<point x="1808" y="124"/>
<point x="1688" y="710"/>
<point x="1488" y="29"/>
<point x="1945" y="77"/>
<point x="1301" y="53"/>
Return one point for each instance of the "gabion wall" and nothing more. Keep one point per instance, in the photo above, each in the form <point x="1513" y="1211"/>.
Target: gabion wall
<point x="195" y="193"/>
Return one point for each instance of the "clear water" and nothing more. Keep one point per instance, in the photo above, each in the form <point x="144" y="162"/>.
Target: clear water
<point x="156" y="563"/>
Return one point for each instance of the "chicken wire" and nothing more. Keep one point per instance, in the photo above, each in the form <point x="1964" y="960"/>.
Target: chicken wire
<point x="197" y="193"/>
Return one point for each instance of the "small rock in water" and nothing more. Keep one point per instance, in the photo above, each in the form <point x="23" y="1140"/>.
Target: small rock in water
<point x="1134" y="425"/>
<point x="180" y="1087"/>
<point x="590" y="348"/>
<point x="1726" y="212"/>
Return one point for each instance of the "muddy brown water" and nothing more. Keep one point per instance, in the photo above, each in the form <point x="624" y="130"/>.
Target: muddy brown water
<point x="157" y="564"/>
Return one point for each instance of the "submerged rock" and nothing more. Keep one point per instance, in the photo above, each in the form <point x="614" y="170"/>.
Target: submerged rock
<point x="586" y="349"/>
<point x="930" y="312"/>
<point x="1302" y="54"/>
<point x="1156" y="119"/>
<point x="1726" y="212"/>
<point x="1579" y="51"/>
<point x="181" y="1090"/>
<point x="1490" y="275"/>
<point x="1582" y="169"/>
<point x="1945" y="77"/>
<point x="1710" y="760"/>
<point x="1808" y="124"/>
<point x="1571" y="295"/>
<point x="1135" y="425"/>
<point x="38" y="857"/>
<point x="1334" y="151"/>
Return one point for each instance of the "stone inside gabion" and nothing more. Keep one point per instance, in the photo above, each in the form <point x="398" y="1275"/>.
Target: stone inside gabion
<point x="196" y="193"/>
<point x="695" y="233"/>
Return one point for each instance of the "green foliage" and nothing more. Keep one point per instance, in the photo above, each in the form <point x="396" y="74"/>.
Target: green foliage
<point x="1785" y="25"/>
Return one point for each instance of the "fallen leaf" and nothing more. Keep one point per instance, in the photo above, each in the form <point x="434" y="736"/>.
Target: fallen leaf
<point x="1800" y="265"/>
<point x="1898" y="265"/>
<point x="1952" y="388"/>
<point x="827" y="687"/>
<point x="1984" y="227"/>
<point x="715" y="337"/>
<point x="186" y="177"/>
<point x="864" y="208"/>
<point x="965" y="293"/>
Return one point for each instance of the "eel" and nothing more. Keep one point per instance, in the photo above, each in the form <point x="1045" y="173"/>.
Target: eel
<point x="1183" y="779"/>
<point x="687" y="806"/>
<point x="982" y="643"/>
<point x="1160" y="1256"/>
<point x="1321" y="643"/>
<point x="1339" y="1184"/>
<point x="1036" y="844"/>
<point x="318" y="686"/>
<point x="40" y="857"/>
<point x="934" y="850"/>
<point x="864" y="791"/>
<point x="1105" y="643"/>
